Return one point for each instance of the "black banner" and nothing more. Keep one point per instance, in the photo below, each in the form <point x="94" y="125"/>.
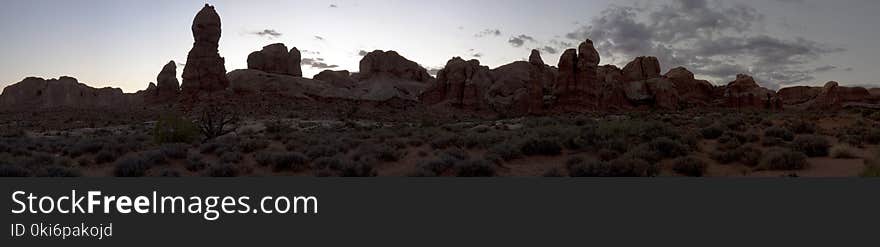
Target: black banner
<point x="447" y="212"/>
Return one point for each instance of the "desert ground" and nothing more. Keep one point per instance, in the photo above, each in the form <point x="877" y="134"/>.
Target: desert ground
<point x="633" y="144"/>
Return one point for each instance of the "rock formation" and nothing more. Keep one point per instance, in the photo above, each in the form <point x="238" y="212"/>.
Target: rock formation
<point x="205" y="70"/>
<point x="642" y="68"/>
<point x="799" y="94"/>
<point x="340" y="79"/>
<point x="388" y="75"/>
<point x="693" y="92"/>
<point x="167" y="85"/>
<point x="250" y="81"/>
<point x="390" y="65"/>
<point x="66" y="92"/>
<point x="460" y="84"/>
<point x="745" y="93"/>
<point x="833" y="96"/>
<point x="276" y="59"/>
<point x="577" y="86"/>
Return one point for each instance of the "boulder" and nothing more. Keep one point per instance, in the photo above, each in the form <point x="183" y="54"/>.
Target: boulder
<point x="642" y="68"/>
<point x="578" y="85"/>
<point x="205" y="70"/>
<point x="275" y="58"/>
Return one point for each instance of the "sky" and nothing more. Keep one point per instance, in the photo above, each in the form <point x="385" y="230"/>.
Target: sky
<point x="125" y="43"/>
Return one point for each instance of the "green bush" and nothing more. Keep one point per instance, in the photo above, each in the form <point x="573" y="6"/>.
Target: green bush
<point x="175" y="129"/>
<point x="812" y="145"/>
<point x="690" y="166"/>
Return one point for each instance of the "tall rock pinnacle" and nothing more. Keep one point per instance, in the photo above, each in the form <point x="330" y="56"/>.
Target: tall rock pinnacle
<point x="205" y="70"/>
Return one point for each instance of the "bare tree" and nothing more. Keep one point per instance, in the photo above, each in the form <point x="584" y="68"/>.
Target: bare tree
<point x="216" y="121"/>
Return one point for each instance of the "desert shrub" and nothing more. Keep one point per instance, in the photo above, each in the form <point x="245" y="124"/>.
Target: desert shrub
<point x="779" y="132"/>
<point x="475" y="168"/>
<point x="277" y="127"/>
<point x="540" y="146"/>
<point x="222" y="171"/>
<point x="747" y="155"/>
<point x="622" y="167"/>
<point x="843" y="152"/>
<point x="690" y="166"/>
<point x="168" y="173"/>
<point x="358" y="169"/>
<point x="105" y="156"/>
<point x="553" y="173"/>
<point x="506" y="151"/>
<point x="231" y="157"/>
<point x="14" y="171"/>
<point x="175" y="129"/>
<point x="712" y="132"/>
<point x="608" y="155"/>
<point x="155" y="158"/>
<point x="812" y="145"/>
<point x="130" y="166"/>
<point x="784" y="159"/>
<point x="733" y="122"/>
<point x="252" y="145"/>
<point x="334" y="163"/>
<point x="195" y="163"/>
<point x="320" y="151"/>
<point x="802" y="127"/>
<point x="289" y="161"/>
<point x="85" y="147"/>
<point x="175" y="150"/>
<point x="59" y="172"/>
<point x="213" y="147"/>
<point x="433" y="168"/>
<point x="871" y="171"/>
<point x="772" y="142"/>
<point x="873" y="136"/>
<point x="446" y="140"/>
<point x="666" y="148"/>
<point x="387" y="153"/>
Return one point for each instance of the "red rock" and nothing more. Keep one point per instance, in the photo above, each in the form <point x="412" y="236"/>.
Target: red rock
<point x="391" y="65"/>
<point x="205" y="70"/>
<point x="833" y="96"/>
<point x="167" y="85"/>
<point x="275" y="58"/>
<point x="692" y="92"/>
<point x="340" y="79"/>
<point x="460" y="84"/>
<point x="745" y="93"/>
<point x="799" y="94"/>
<point x="642" y="68"/>
<point x="65" y="92"/>
<point x="578" y="84"/>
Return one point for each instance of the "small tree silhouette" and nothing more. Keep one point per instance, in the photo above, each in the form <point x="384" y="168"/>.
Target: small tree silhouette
<point x="216" y="120"/>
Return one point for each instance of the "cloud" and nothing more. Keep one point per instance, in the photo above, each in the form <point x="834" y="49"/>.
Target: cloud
<point x="488" y="32"/>
<point x="711" y="38"/>
<point x="319" y="38"/>
<point x="362" y="53"/>
<point x="519" y="41"/>
<point x="477" y="55"/>
<point x="318" y="63"/>
<point x="334" y="6"/>
<point x="271" y="33"/>
<point x="549" y="50"/>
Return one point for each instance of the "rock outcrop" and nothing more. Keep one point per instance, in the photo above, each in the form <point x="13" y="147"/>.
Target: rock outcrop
<point x="66" y="92"/>
<point x="745" y="93"/>
<point x="275" y="58"/>
<point x="641" y="69"/>
<point x="692" y="92"/>
<point x="391" y="65"/>
<point x="387" y="75"/>
<point x="460" y="84"/>
<point x="205" y="70"/>
<point x="249" y="81"/>
<point x="799" y="94"/>
<point x="577" y="86"/>
<point x="833" y="96"/>
<point x="167" y="85"/>
<point x="340" y="79"/>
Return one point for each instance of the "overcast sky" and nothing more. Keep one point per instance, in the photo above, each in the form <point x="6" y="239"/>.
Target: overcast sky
<point x="125" y="43"/>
